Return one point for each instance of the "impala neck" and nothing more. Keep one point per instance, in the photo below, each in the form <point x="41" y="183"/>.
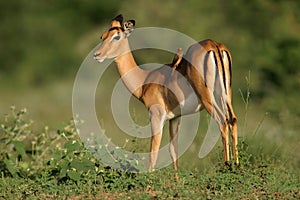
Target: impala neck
<point x="132" y="76"/>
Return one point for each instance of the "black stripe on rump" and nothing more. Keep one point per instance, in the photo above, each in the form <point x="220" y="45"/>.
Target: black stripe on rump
<point x="230" y="73"/>
<point x="216" y="65"/>
<point x="205" y="68"/>
<point x="223" y="70"/>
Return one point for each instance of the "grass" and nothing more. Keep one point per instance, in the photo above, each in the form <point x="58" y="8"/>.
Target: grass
<point x="263" y="181"/>
<point x="55" y="165"/>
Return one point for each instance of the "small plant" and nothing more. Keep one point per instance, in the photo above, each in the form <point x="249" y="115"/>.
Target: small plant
<point x="14" y="130"/>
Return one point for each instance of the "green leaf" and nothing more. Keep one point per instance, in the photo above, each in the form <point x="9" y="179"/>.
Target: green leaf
<point x="74" y="175"/>
<point x="83" y="165"/>
<point x="10" y="166"/>
<point x="3" y="140"/>
<point x="20" y="148"/>
<point x="63" y="168"/>
<point x="72" y="145"/>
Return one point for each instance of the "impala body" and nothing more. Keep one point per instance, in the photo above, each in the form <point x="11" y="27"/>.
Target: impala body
<point x="204" y="70"/>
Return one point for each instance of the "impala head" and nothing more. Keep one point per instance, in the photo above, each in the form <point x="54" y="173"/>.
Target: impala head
<point x="115" y="39"/>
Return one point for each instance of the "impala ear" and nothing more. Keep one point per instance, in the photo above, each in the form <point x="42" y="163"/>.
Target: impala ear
<point x="117" y="21"/>
<point x="128" y="27"/>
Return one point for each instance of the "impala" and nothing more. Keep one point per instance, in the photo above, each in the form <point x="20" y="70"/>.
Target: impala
<point x="204" y="70"/>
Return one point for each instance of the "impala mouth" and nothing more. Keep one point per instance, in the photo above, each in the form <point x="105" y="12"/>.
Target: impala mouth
<point x="96" y="57"/>
<point x="100" y="60"/>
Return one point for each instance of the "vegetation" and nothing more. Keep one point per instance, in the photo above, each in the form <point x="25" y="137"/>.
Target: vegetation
<point x="42" y="46"/>
<point x="56" y="165"/>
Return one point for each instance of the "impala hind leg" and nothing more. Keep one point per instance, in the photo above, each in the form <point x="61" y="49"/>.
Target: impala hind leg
<point x="173" y="129"/>
<point x="225" y="141"/>
<point x="234" y="134"/>
<point x="205" y="93"/>
<point x="216" y="113"/>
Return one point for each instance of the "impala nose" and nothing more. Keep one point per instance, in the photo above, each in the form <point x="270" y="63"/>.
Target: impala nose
<point x="96" y="57"/>
<point x="96" y="54"/>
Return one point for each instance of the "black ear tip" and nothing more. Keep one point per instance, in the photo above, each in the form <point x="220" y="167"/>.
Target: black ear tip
<point x="133" y="22"/>
<point x="119" y="18"/>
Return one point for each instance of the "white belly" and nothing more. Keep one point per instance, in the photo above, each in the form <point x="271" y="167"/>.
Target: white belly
<point x="190" y="105"/>
<point x="188" y="100"/>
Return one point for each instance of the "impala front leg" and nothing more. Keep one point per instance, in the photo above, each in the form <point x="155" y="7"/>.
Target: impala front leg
<point x="174" y="128"/>
<point x="157" y="119"/>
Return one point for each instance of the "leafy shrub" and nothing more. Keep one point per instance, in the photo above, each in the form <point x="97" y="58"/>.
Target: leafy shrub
<point x="59" y="156"/>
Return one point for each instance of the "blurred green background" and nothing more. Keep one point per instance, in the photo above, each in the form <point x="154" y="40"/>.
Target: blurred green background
<point x="42" y="44"/>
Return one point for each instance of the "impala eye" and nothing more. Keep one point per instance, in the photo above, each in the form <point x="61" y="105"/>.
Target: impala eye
<point x="117" y="37"/>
